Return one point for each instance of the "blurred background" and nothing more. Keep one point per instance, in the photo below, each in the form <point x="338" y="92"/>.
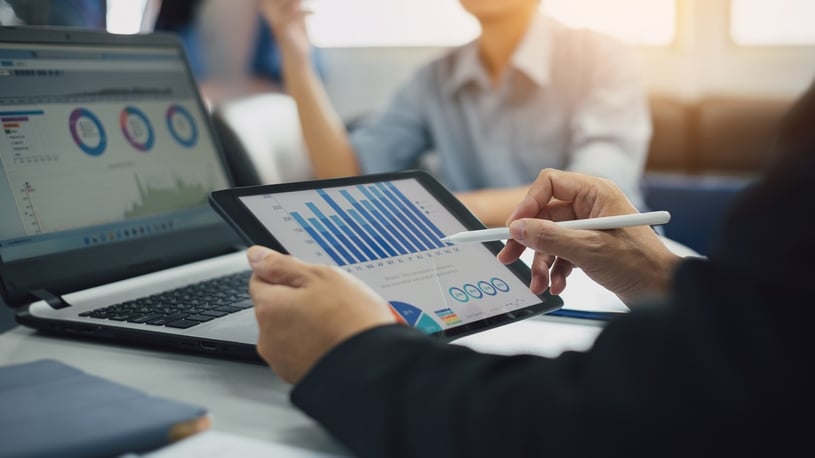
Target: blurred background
<point x="689" y="48"/>
<point x="720" y="74"/>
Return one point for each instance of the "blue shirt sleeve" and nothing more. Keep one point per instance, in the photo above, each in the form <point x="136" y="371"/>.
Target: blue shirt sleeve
<point x="397" y="138"/>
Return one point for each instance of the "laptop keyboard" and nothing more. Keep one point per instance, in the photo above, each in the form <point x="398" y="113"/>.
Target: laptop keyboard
<point x="183" y="307"/>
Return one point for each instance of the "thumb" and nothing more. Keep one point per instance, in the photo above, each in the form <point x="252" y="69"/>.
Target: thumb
<point x="257" y="253"/>
<point x="277" y="268"/>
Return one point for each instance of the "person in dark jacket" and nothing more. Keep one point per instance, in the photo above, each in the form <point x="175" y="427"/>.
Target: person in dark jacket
<point x="714" y="359"/>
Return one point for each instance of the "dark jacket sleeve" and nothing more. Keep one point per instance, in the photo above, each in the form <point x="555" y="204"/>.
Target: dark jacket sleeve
<point x="653" y="380"/>
<point x="724" y="368"/>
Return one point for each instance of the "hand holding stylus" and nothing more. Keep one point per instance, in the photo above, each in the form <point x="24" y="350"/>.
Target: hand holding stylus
<point x="631" y="261"/>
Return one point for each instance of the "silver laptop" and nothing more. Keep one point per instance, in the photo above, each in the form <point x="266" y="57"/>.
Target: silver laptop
<point x="107" y="157"/>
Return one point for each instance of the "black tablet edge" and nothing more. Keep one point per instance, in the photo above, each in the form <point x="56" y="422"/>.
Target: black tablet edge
<point x="227" y="204"/>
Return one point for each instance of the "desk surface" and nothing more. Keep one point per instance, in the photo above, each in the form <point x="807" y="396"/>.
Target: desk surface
<point x="249" y="400"/>
<point x="246" y="398"/>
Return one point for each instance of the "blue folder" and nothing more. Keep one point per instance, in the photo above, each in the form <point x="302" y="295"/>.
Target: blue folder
<point x="52" y="409"/>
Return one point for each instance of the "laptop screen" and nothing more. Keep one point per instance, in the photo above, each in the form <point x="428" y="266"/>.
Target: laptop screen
<point x="100" y="145"/>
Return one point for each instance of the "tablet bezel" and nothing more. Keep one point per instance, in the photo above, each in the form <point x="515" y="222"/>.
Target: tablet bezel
<point x="228" y="204"/>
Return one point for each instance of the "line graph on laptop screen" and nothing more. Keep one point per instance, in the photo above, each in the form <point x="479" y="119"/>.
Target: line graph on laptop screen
<point x="102" y="138"/>
<point x="94" y="180"/>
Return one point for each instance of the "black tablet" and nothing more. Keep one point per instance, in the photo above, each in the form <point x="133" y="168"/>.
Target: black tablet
<point x="386" y="230"/>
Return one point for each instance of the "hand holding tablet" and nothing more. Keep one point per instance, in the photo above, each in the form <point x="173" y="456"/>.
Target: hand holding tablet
<point x="387" y="230"/>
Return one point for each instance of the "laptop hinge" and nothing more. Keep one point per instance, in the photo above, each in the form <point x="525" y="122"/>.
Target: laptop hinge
<point x="56" y="302"/>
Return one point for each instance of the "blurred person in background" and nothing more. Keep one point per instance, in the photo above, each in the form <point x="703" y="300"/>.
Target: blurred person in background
<point x="529" y="93"/>
<point x="231" y="49"/>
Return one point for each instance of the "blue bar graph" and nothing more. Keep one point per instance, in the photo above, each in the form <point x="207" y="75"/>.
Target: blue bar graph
<point x="324" y="233"/>
<point x="310" y="231"/>
<point x="381" y="222"/>
<point x="371" y="221"/>
<point x="410" y="211"/>
<point x="375" y="235"/>
<point x="344" y="243"/>
<point x="359" y="236"/>
<point x="394" y="219"/>
<point x="389" y="228"/>
<point x="416" y="211"/>
<point x="404" y="219"/>
<point x="351" y="235"/>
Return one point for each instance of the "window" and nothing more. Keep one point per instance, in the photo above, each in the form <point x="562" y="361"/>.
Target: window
<point x="637" y="22"/>
<point x="390" y="23"/>
<point x="125" y="16"/>
<point x="444" y="22"/>
<point x="772" y="22"/>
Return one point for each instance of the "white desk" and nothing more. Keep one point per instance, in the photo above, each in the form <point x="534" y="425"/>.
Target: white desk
<point x="248" y="399"/>
<point x="243" y="398"/>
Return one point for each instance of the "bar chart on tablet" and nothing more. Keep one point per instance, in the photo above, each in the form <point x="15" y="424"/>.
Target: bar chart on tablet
<point x="363" y="223"/>
<point x="388" y="234"/>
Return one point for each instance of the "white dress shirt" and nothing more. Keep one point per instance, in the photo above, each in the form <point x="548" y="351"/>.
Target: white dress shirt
<point x="571" y="99"/>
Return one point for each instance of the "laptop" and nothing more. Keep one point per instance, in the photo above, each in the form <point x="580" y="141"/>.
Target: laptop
<point x="107" y="158"/>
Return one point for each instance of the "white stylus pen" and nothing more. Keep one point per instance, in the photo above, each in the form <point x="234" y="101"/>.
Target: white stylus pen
<point x="598" y="224"/>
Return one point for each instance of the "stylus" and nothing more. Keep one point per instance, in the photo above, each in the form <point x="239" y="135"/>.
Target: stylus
<point x="598" y="224"/>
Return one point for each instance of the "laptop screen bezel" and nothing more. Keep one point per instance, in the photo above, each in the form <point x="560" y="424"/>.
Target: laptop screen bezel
<point x="88" y="267"/>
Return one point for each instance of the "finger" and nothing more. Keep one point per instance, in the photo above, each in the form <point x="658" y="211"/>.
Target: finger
<point x="540" y="192"/>
<point x="556" y="210"/>
<point x="511" y="252"/>
<point x="278" y="268"/>
<point x="540" y="272"/>
<point x="552" y="184"/>
<point x="557" y="275"/>
<point x="559" y="211"/>
<point x="576" y="245"/>
<point x="529" y="207"/>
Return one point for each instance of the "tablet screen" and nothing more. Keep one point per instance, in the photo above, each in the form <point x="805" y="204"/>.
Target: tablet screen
<point x="388" y="234"/>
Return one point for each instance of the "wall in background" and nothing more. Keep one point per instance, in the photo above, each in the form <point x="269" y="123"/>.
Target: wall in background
<point x="702" y="61"/>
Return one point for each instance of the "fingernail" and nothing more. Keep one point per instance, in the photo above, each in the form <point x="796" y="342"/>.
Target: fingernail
<point x="516" y="230"/>
<point x="257" y="253"/>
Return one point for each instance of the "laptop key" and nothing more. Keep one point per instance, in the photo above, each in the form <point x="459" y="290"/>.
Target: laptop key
<point x="161" y="321"/>
<point x="201" y="318"/>
<point x="143" y="318"/>
<point x="244" y="304"/>
<point x="182" y="324"/>
<point x="228" y="309"/>
<point x="185" y="306"/>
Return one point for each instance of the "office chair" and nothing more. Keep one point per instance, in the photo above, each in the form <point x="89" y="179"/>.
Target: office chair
<point x="262" y="140"/>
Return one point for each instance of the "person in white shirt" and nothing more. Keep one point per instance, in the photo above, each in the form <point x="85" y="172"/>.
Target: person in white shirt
<point x="529" y="93"/>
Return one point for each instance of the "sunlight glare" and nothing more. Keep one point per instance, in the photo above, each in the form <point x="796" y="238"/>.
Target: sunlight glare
<point x="444" y="22"/>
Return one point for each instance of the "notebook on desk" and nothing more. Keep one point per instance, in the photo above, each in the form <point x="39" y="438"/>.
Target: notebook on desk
<point x="106" y="161"/>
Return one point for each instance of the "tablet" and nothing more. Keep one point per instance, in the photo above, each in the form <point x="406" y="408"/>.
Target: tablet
<point x="386" y="230"/>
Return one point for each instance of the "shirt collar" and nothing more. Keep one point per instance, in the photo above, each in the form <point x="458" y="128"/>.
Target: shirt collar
<point x="466" y="68"/>
<point x="532" y="58"/>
